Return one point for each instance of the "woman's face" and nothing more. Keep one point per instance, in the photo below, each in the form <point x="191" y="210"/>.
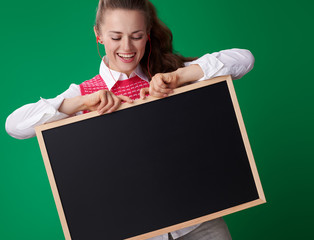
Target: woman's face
<point x="124" y="35"/>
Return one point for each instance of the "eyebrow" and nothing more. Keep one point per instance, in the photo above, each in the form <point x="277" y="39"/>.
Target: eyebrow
<point x="122" y="32"/>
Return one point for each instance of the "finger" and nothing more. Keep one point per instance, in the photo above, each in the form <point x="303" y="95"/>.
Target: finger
<point x="93" y="108"/>
<point x="162" y="90"/>
<point x="157" y="94"/>
<point x="144" y="92"/>
<point x="167" y="78"/>
<point x="160" y="81"/>
<point x="125" y="98"/>
<point x="170" y="79"/>
<point x="116" y="104"/>
<point x="108" y="105"/>
<point x="103" y="100"/>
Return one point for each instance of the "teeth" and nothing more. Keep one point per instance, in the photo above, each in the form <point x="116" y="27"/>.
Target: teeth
<point x="126" y="55"/>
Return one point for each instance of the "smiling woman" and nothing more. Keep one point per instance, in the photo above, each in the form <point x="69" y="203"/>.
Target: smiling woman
<point x="124" y="35"/>
<point x="139" y="61"/>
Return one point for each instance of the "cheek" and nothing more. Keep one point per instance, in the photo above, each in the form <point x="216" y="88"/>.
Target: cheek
<point x="109" y="47"/>
<point x="141" y="47"/>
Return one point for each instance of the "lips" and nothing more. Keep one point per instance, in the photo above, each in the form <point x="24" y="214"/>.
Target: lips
<point x="126" y="57"/>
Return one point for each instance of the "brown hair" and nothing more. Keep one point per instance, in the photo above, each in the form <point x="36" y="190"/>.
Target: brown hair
<point x="162" y="58"/>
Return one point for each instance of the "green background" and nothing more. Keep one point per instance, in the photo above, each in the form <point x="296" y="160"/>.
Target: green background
<point x="47" y="45"/>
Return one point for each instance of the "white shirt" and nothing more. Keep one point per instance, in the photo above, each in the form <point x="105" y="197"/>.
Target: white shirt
<point x="20" y="124"/>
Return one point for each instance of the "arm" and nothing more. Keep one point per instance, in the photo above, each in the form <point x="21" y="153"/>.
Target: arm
<point x="236" y="62"/>
<point x="20" y="124"/>
<point x="103" y="101"/>
<point x="162" y="83"/>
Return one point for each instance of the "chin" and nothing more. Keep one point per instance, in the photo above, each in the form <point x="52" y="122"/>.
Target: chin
<point x="128" y="69"/>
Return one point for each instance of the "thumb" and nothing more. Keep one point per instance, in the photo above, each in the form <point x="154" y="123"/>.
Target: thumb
<point x="166" y="78"/>
<point x="171" y="79"/>
<point x="144" y="92"/>
<point x="125" y="98"/>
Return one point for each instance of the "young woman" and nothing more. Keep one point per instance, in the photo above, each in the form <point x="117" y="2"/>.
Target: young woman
<point x="139" y="61"/>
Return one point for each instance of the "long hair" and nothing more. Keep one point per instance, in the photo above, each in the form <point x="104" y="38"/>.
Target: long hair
<point x="162" y="58"/>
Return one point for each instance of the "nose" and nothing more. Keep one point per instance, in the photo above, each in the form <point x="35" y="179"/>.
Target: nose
<point x="126" y="44"/>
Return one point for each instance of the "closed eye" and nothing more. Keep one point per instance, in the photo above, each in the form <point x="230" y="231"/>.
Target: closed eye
<point x="137" y="38"/>
<point x="133" y="38"/>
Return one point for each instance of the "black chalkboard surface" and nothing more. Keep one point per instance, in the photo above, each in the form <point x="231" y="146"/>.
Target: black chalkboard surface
<point x="151" y="167"/>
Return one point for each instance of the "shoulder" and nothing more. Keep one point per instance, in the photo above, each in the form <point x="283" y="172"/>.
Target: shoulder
<point x="93" y="85"/>
<point x="97" y="80"/>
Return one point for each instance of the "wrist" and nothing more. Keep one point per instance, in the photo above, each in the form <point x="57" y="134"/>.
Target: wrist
<point x="73" y="105"/>
<point x="189" y="74"/>
<point x="180" y="77"/>
<point x="82" y="103"/>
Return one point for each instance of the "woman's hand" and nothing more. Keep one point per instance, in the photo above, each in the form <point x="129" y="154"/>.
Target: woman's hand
<point x="103" y="101"/>
<point x="162" y="84"/>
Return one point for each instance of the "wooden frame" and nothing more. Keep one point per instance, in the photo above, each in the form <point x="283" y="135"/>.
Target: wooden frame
<point x="50" y="173"/>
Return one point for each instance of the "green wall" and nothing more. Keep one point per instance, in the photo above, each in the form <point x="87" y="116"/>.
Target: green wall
<point x="47" y="45"/>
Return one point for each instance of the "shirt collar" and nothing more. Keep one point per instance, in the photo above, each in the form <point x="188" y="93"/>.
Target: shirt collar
<point x="118" y="76"/>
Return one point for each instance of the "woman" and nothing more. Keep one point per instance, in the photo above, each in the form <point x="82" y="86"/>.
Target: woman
<point x="139" y="61"/>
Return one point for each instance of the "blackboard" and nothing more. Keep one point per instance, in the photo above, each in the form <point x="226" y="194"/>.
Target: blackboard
<point x="153" y="166"/>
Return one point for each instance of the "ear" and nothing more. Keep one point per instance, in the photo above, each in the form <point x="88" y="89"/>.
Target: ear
<point x="98" y="39"/>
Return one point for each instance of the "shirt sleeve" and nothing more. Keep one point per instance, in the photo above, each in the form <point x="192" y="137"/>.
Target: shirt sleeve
<point x="235" y="62"/>
<point x="22" y="122"/>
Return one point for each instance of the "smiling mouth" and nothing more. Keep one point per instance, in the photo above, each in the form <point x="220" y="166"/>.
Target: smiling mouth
<point x="126" y="56"/>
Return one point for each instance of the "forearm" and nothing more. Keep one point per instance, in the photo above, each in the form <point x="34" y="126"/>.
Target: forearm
<point x="189" y="74"/>
<point x="73" y="105"/>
